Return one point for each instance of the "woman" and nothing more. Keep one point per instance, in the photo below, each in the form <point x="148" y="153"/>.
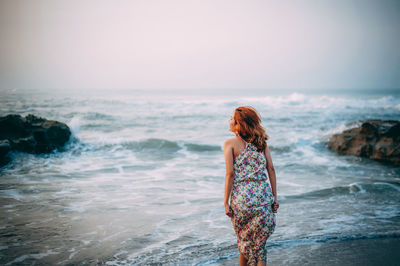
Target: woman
<point x="249" y="201"/>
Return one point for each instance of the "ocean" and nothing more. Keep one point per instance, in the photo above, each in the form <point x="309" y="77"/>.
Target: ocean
<point x="141" y="180"/>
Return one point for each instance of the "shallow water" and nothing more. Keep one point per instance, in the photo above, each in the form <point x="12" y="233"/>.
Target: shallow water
<point x="142" y="179"/>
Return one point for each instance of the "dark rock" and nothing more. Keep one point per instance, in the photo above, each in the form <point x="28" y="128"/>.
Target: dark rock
<point x="374" y="139"/>
<point x="30" y="134"/>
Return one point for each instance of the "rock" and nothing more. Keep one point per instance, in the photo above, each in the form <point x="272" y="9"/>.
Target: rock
<point x="30" y="134"/>
<point x="374" y="139"/>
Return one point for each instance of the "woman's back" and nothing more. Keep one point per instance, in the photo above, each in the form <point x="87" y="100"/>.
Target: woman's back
<point x="250" y="164"/>
<point x="250" y="185"/>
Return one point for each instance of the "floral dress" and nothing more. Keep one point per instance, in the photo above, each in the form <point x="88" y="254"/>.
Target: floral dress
<point x="251" y="203"/>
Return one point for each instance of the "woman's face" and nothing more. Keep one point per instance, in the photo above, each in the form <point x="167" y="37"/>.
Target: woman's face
<point x="232" y="124"/>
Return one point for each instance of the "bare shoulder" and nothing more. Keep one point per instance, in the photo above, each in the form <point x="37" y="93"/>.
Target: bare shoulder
<point x="267" y="151"/>
<point x="229" y="142"/>
<point x="266" y="146"/>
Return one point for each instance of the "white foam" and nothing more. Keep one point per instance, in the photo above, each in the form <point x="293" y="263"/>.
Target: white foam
<point x="19" y="259"/>
<point x="73" y="252"/>
<point x="74" y="125"/>
<point x="34" y="256"/>
<point x="358" y="186"/>
<point x="86" y="242"/>
<point x="338" y="129"/>
<point x="389" y="185"/>
<point x="388" y="212"/>
<point x="14" y="193"/>
<point x="42" y="255"/>
<point x="288" y="183"/>
<point x="296" y="97"/>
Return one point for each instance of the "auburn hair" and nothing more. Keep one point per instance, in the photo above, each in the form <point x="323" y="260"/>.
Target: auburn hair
<point x="248" y="126"/>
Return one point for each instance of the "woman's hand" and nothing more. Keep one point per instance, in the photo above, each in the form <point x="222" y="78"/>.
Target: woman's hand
<point x="228" y="210"/>
<point x="275" y="206"/>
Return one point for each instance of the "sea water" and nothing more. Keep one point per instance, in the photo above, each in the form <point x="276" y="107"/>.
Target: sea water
<point x="141" y="180"/>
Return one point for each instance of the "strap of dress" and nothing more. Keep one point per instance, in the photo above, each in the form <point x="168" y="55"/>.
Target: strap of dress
<point x="244" y="141"/>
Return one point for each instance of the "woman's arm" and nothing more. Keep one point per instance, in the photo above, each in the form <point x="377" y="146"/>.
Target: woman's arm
<point x="272" y="176"/>
<point x="229" y="176"/>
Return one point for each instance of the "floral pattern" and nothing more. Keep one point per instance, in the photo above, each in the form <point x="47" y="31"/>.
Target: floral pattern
<point x="251" y="203"/>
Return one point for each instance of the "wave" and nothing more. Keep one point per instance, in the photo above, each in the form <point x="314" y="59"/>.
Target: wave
<point x="151" y="144"/>
<point x="201" y="147"/>
<point x="146" y="149"/>
<point x="281" y="149"/>
<point x="332" y="238"/>
<point x="151" y="148"/>
<point x="300" y="100"/>
<point x="97" y="116"/>
<point x="371" y="188"/>
<point x="164" y="145"/>
<point x="205" y="254"/>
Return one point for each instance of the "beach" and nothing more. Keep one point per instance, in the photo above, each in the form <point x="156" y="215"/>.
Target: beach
<point x="352" y="252"/>
<point x="141" y="181"/>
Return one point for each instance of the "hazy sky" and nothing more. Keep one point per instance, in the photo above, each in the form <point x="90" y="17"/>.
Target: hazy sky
<point x="200" y="44"/>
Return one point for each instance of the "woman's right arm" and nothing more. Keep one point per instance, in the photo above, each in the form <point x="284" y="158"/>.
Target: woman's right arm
<point x="229" y="175"/>
<point x="272" y="176"/>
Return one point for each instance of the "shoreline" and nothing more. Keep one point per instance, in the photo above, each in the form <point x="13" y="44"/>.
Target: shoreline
<point x="375" y="251"/>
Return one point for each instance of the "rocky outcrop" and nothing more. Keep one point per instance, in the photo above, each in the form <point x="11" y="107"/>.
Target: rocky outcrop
<point x="30" y="134"/>
<point x="374" y="139"/>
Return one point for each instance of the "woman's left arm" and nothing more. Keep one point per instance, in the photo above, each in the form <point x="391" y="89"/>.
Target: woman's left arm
<point x="229" y="176"/>
<point x="272" y="177"/>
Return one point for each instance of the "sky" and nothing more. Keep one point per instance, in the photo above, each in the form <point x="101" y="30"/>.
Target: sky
<point x="210" y="44"/>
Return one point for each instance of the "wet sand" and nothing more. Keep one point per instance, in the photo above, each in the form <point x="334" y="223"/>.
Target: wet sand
<point x="382" y="251"/>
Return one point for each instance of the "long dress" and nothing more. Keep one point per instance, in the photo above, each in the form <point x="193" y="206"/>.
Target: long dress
<point x="251" y="203"/>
